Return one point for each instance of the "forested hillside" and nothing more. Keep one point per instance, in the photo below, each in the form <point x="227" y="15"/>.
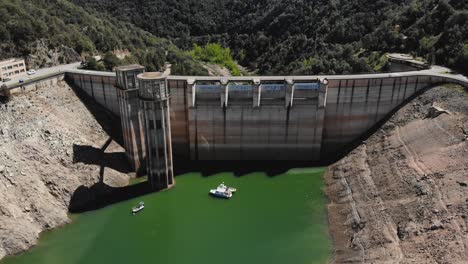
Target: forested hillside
<point x="268" y="36"/>
<point x="306" y="36"/>
<point x="46" y="26"/>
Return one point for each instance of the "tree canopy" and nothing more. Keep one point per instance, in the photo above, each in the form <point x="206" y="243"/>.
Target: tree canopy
<point x="286" y="36"/>
<point x="267" y="36"/>
<point x="61" y="22"/>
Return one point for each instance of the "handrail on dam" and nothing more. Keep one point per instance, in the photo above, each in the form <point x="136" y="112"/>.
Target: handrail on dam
<point x="457" y="79"/>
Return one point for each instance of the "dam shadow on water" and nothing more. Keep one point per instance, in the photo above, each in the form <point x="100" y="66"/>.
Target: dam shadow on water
<point x="272" y="219"/>
<point x="101" y="195"/>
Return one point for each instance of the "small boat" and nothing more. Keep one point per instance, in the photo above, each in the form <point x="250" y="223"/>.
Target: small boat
<point x="221" y="193"/>
<point x="227" y="188"/>
<point x="138" y="208"/>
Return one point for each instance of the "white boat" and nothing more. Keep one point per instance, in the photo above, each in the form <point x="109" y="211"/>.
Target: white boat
<point x="221" y="193"/>
<point x="138" y="208"/>
<point x="227" y="188"/>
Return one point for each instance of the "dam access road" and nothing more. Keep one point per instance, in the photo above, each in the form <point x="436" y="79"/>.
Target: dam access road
<point x="42" y="73"/>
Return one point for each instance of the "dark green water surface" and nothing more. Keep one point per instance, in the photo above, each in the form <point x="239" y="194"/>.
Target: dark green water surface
<point x="278" y="219"/>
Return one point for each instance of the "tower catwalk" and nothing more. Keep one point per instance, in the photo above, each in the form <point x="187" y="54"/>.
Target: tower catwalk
<point x="154" y="106"/>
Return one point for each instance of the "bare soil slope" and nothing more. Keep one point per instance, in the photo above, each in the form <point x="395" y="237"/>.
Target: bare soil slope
<point x="50" y="145"/>
<point x="402" y="196"/>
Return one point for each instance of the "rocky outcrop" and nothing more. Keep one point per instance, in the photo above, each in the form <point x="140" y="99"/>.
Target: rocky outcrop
<point x="400" y="197"/>
<point x="42" y="55"/>
<point x="44" y="136"/>
<point x="216" y="70"/>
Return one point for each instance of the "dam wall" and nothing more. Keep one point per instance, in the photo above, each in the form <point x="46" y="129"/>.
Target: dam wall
<point x="272" y="117"/>
<point x="218" y="119"/>
<point x="98" y="85"/>
<point x="356" y="105"/>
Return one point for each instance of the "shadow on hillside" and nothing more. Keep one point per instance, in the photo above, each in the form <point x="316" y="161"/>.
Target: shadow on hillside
<point x="91" y="155"/>
<point x="101" y="195"/>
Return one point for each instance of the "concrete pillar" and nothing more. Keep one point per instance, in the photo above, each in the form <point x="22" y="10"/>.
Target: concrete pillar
<point x="322" y="99"/>
<point x="322" y="103"/>
<point x="224" y="93"/>
<point x="191" y="92"/>
<point x="154" y="102"/>
<point x="127" y="95"/>
<point x="289" y="92"/>
<point x="256" y="93"/>
<point x="191" y="112"/>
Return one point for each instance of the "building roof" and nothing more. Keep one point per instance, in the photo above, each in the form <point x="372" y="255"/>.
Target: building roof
<point x="151" y="75"/>
<point x="11" y="60"/>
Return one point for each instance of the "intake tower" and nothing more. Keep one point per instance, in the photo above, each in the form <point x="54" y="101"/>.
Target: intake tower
<point x="127" y="95"/>
<point x="153" y="96"/>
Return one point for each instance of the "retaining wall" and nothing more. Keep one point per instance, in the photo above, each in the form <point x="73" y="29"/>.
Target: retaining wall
<point x="35" y="84"/>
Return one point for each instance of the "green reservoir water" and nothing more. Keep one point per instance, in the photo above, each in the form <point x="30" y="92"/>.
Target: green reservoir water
<point x="278" y="219"/>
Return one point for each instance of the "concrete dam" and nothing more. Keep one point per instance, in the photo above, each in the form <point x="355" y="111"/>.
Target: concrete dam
<point x="244" y="118"/>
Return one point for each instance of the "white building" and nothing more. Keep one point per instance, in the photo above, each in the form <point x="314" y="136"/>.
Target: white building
<point x="12" y="68"/>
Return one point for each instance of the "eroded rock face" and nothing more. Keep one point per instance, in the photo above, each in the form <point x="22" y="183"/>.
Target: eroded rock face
<point x="42" y="55"/>
<point x="41" y="135"/>
<point x="404" y="184"/>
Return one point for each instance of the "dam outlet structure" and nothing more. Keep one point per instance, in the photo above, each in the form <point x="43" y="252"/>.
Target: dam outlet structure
<point x="132" y="130"/>
<point x="250" y="119"/>
<point x="153" y="95"/>
<point x="308" y="118"/>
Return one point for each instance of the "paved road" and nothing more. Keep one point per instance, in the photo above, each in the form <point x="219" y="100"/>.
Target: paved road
<point x="434" y="70"/>
<point x="43" y="72"/>
<point x="441" y="70"/>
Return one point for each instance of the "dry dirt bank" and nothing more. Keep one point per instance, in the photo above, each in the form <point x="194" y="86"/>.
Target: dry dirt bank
<point x="402" y="196"/>
<point x="50" y="144"/>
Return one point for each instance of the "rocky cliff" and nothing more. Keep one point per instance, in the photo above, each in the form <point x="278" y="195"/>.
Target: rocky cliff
<point x="50" y="145"/>
<point x="42" y="55"/>
<point x="402" y="195"/>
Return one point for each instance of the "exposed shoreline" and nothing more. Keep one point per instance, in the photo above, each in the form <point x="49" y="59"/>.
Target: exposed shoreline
<point x="51" y="146"/>
<point x="400" y="195"/>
